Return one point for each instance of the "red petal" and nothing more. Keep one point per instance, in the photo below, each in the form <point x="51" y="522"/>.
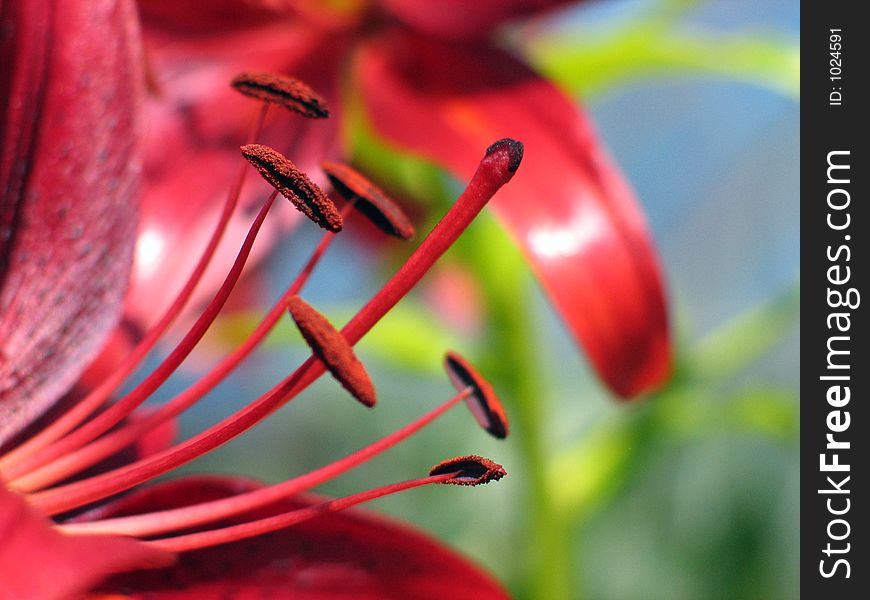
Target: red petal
<point x="196" y="123"/>
<point x="568" y="207"/>
<point x="190" y="17"/>
<point x="70" y="90"/>
<point x="38" y="563"/>
<point x="463" y="19"/>
<point x="195" y="17"/>
<point x="346" y="555"/>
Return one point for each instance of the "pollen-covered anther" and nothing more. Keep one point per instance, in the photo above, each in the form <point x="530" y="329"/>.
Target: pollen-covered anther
<point x="469" y="470"/>
<point x="282" y="90"/>
<point x="330" y="346"/>
<point x="512" y="148"/>
<point x="294" y="185"/>
<point x="482" y="401"/>
<point x="369" y="199"/>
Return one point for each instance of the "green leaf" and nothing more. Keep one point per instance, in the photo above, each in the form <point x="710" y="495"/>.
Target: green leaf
<point x="769" y="411"/>
<point x="584" y="476"/>
<point x="591" y="64"/>
<point x="740" y="341"/>
<point x="761" y="410"/>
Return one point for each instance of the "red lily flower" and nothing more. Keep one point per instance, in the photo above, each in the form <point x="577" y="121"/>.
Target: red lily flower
<point x="431" y="80"/>
<point x="69" y="172"/>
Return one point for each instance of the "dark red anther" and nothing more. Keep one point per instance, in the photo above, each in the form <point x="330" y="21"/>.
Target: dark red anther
<point x="369" y="199"/>
<point x="330" y="346"/>
<point x="294" y="185"/>
<point x="482" y="402"/>
<point x="284" y="91"/>
<point x="470" y="470"/>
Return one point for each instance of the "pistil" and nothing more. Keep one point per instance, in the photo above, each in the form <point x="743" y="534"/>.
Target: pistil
<point x="498" y="166"/>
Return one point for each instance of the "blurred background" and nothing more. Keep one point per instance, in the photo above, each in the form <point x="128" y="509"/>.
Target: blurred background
<point x="689" y="493"/>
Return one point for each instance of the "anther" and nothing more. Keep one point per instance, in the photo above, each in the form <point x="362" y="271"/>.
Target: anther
<point x="482" y="401"/>
<point x="469" y="470"/>
<point x="330" y="346"/>
<point x="369" y="199"/>
<point x="284" y="91"/>
<point x="294" y="185"/>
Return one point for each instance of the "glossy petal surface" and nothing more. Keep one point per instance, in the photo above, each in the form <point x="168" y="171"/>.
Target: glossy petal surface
<point x="568" y="207"/>
<point x="70" y="89"/>
<point x="347" y="555"/>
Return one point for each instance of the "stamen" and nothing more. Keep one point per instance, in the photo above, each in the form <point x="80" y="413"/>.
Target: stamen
<point x="495" y="170"/>
<point x="115" y="413"/>
<point x="294" y="185"/>
<point x="80" y="493"/>
<point x="88" y="455"/>
<point x="371" y="201"/>
<point x="469" y="470"/>
<point x="284" y="91"/>
<point x="483" y="402"/>
<point x="207" y="512"/>
<point x="234" y="533"/>
<point x="76" y="415"/>
<point x="333" y="350"/>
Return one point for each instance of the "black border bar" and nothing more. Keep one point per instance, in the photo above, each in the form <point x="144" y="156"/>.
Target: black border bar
<point x="835" y="368"/>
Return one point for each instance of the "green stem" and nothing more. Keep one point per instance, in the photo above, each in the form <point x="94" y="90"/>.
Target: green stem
<point x="660" y="45"/>
<point x="548" y="575"/>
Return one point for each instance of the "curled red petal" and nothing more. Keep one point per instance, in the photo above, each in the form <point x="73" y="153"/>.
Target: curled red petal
<point x="568" y="207"/>
<point x="347" y="555"/>
<point x="457" y="19"/>
<point x="70" y="97"/>
<point x="38" y="563"/>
